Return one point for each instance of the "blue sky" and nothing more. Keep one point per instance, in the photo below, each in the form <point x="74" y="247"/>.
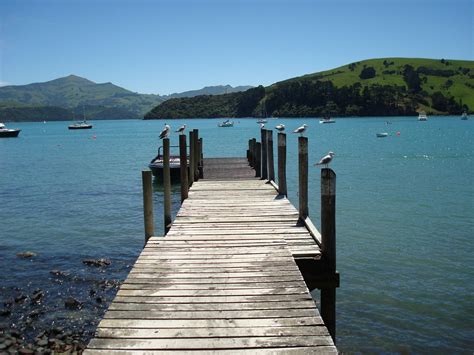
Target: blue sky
<point x="167" y="46"/>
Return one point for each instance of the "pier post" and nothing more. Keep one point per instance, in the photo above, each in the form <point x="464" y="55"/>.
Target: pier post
<point x="183" y="162"/>
<point x="252" y="152"/>
<point x="249" y="153"/>
<point x="191" y="158"/>
<point x="328" y="246"/>
<point x="303" y="176"/>
<point x="201" y="160"/>
<point x="258" y="156"/>
<point x="148" y="204"/>
<point x="166" y="184"/>
<point x="263" y="133"/>
<point x="196" y="155"/>
<point x="271" y="166"/>
<point x="282" y="164"/>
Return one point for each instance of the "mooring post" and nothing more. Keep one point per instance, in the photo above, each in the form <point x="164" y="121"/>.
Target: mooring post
<point x="249" y="154"/>
<point x="148" y="204"/>
<point x="201" y="160"/>
<point x="196" y="154"/>
<point x="183" y="163"/>
<point x="328" y="246"/>
<point x="166" y="184"/>
<point x="258" y="156"/>
<point x="191" y="158"/>
<point x="252" y="152"/>
<point x="271" y="166"/>
<point x="282" y="164"/>
<point x="264" y="154"/>
<point x="303" y="176"/>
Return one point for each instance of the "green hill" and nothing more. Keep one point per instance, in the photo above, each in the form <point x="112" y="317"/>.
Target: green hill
<point x="63" y="98"/>
<point x="386" y="86"/>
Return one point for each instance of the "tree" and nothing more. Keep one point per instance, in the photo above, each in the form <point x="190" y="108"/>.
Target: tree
<point x="367" y="73"/>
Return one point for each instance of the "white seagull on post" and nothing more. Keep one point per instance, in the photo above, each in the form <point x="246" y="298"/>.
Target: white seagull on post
<point x="165" y="132"/>
<point x="181" y="129"/>
<point x="262" y="125"/>
<point x="280" y="127"/>
<point x="301" y="129"/>
<point x="326" y="159"/>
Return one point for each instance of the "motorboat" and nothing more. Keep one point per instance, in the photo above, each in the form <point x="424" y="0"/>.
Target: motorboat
<point x="382" y="135"/>
<point x="327" y="120"/>
<point x="8" y="132"/>
<point x="464" y="116"/>
<point x="226" y="123"/>
<point x="422" y="116"/>
<point x="262" y="120"/>
<point x="156" y="165"/>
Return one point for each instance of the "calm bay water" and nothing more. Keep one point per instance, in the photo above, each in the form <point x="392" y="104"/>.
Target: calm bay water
<point x="404" y="219"/>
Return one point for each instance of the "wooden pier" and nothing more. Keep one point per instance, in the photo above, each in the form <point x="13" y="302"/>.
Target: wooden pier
<point x="232" y="274"/>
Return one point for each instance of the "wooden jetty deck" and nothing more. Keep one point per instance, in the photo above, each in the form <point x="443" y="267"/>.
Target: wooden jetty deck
<point x="224" y="279"/>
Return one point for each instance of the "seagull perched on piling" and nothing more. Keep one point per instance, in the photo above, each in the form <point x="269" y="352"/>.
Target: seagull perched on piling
<point x="262" y="125"/>
<point x="326" y="159"/>
<point x="181" y="129"/>
<point x="165" y="132"/>
<point x="280" y="127"/>
<point x="301" y="129"/>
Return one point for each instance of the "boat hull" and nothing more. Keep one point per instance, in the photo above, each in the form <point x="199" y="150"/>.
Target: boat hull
<point x="10" y="133"/>
<point x="80" y="127"/>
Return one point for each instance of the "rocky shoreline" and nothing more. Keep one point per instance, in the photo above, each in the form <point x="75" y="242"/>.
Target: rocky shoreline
<point x="61" y="316"/>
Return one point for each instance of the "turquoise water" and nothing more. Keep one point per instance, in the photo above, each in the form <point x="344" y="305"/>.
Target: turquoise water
<point x="404" y="219"/>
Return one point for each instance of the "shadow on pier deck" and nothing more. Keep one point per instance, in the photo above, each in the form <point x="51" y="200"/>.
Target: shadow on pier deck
<point x="224" y="279"/>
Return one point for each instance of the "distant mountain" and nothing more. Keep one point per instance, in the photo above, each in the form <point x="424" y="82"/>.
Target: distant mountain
<point x="72" y="95"/>
<point x="376" y="87"/>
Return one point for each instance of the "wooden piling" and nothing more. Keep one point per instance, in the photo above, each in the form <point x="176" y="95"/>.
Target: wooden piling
<point x="249" y="153"/>
<point x="191" y="158"/>
<point x="258" y="161"/>
<point x="264" y="156"/>
<point x="303" y="176"/>
<point x="201" y="159"/>
<point x="252" y="153"/>
<point x="282" y="189"/>
<point x="148" y="204"/>
<point x="328" y="247"/>
<point x="196" y="154"/>
<point x="166" y="184"/>
<point x="183" y="161"/>
<point x="271" y="166"/>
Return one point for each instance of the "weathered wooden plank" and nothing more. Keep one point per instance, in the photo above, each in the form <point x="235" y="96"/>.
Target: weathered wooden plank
<point x="240" y="292"/>
<point x="182" y="307"/>
<point x="210" y="343"/>
<point x="285" y="350"/>
<point x="130" y="285"/>
<point x="210" y="314"/>
<point x="213" y="299"/>
<point x="211" y="333"/>
<point x="210" y="323"/>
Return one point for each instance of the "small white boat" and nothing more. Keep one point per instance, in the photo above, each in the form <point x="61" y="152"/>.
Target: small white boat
<point x="464" y="116"/>
<point x="382" y="135"/>
<point x="8" y="132"/>
<point x="226" y="123"/>
<point x="422" y="116"/>
<point x="262" y="120"/>
<point x="327" y="120"/>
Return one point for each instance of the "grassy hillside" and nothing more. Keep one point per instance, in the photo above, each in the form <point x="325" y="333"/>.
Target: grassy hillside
<point x="73" y="93"/>
<point x="386" y="86"/>
<point x="389" y="72"/>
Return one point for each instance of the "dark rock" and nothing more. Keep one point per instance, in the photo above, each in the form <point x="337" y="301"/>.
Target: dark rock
<point x="15" y="333"/>
<point x="26" y="254"/>
<point x="58" y="273"/>
<point x="98" y="299"/>
<point x="92" y="292"/>
<point x="8" y="303"/>
<point x="25" y="351"/>
<point x="72" y="303"/>
<point x="97" y="262"/>
<point x="20" y="299"/>
<point x="37" y="296"/>
<point x="42" y="342"/>
<point x="57" y="330"/>
<point x="35" y="313"/>
<point x="5" y="312"/>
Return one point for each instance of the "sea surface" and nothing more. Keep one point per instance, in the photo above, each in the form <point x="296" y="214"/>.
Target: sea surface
<point x="405" y="221"/>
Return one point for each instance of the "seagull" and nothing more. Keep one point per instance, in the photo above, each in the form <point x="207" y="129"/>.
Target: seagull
<point x="165" y="132"/>
<point x="280" y="127"/>
<point x="181" y="129"/>
<point x="262" y="125"/>
<point x="301" y="129"/>
<point x="326" y="159"/>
